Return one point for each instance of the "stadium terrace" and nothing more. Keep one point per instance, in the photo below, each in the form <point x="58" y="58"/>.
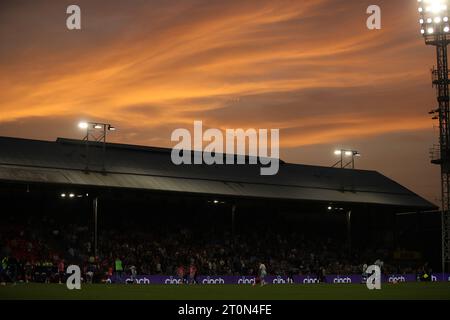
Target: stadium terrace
<point x="134" y="214"/>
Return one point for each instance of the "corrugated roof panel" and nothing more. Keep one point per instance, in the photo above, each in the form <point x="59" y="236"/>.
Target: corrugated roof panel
<point x="62" y="162"/>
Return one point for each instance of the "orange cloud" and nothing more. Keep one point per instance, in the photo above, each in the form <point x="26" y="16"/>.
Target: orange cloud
<point x="310" y="68"/>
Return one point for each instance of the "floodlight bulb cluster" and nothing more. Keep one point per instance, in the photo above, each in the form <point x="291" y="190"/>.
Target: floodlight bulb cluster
<point x="347" y="153"/>
<point x="434" y="17"/>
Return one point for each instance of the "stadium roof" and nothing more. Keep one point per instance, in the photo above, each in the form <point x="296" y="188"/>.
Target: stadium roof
<point x="147" y="168"/>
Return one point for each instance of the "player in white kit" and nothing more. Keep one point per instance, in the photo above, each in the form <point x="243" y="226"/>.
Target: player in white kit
<point x="262" y="273"/>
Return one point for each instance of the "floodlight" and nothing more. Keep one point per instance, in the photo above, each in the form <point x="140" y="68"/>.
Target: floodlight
<point x="63" y="195"/>
<point x="344" y="154"/>
<point x="432" y="14"/>
<point x="93" y="135"/>
<point x="83" y="125"/>
<point x="71" y="195"/>
<point x="435" y="6"/>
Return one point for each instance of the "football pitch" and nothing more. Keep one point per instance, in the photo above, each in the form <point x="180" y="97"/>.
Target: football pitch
<point x="401" y="291"/>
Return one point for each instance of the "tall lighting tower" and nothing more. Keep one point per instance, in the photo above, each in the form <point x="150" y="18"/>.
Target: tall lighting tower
<point x="95" y="132"/>
<point x="435" y="28"/>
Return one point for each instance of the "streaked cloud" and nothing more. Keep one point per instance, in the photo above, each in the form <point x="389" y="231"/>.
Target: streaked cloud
<point x="308" y="67"/>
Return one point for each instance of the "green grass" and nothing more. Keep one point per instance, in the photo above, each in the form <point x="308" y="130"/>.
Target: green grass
<point x="228" y="292"/>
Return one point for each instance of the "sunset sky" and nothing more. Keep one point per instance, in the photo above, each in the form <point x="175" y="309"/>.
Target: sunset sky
<point x="308" y="67"/>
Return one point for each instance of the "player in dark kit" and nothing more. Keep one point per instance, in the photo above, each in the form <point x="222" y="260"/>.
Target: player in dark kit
<point x="61" y="271"/>
<point x="193" y="274"/>
<point x="180" y="273"/>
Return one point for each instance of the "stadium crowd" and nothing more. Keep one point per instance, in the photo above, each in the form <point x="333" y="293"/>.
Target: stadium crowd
<point x="40" y="250"/>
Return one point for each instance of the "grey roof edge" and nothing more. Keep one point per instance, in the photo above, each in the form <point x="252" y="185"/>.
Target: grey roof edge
<point x="402" y="191"/>
<point x="145" y="148"/>
<point x="164" y="150"/>
<point x="418" y="203"/>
